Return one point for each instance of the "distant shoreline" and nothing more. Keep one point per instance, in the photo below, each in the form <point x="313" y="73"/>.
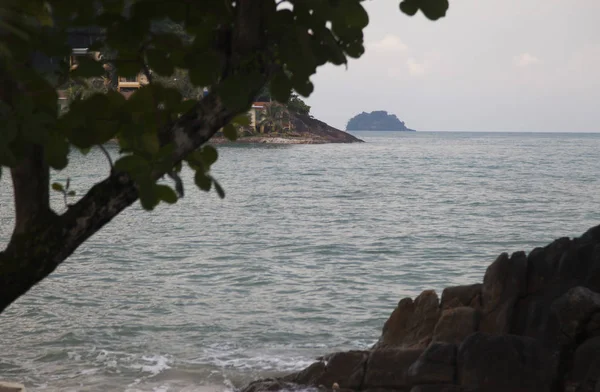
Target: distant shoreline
<point x="275" y="140"/>
<point x="381" y="130"/>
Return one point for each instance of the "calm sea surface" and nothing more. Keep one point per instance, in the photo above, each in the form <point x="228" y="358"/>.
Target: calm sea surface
<point x="309" y="253"/>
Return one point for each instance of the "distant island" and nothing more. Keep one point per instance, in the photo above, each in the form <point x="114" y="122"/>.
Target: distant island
<point x="376" y="121"/>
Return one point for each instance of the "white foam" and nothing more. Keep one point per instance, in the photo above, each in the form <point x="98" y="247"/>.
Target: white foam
<point x="159" y="364"/>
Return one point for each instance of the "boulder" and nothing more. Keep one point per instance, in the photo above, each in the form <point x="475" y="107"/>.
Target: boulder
<point x="575" y="309"/>
<point x="456" y="324"/>
<point x="347" y="369"/>
<point x="504" y="282"/>
<point x="411" y="323"/>
<point x="504" y="363"/>
<point x="269" y="385"/>
<point x="388" y="368"/>
<point x="461" y="295"/>
<point x="437" y="365"/>
<point x="585" y="372"/>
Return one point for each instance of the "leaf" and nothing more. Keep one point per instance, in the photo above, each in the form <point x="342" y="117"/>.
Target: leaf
<point x="281" y="87"/>
<point x="133" y="164"/>
<point x="409" y="7"/>
<point x="209" y="155"/>
<point x="304" y="88"/>
<point x="166" y="194"/>
<point x="434" y="9"/>
<point x="58" y="187"/>
<point x="203" y="181"/>
<point x="234" y="93"/>
<point x="147" y="192"/>
<point x="203" y="68"/>
<point x="7" y="157"/>
<point x="71" y="193"/>
<point x="242" y="120"/>
<point x="354" y="14"/>
<point x="159" y="62"/>
<point x="219" y="189"/>
<point x="57" y="151"/>
<point x="88" y="68"/>
<point x="230" y="132"/>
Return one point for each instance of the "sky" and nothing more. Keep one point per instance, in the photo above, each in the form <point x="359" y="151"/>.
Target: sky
<point x="489" y="65"/>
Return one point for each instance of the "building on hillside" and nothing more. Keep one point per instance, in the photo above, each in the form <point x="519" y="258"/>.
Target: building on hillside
<point x="255" y="111"/>
<point x="130" y="84"/>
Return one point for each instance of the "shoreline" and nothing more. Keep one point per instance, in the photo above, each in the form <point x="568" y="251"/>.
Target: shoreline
<point x="277" y="140"/>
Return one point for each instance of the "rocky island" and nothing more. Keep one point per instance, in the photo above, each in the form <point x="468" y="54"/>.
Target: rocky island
<point x="532" y="325"/>
<point x="376" y="121"/>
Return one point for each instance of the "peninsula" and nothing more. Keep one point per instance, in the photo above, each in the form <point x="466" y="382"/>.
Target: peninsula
<point x="376" y="121"/>
<point x="275" y="123"/>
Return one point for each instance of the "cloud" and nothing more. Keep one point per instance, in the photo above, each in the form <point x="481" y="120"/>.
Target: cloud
<point x="525" y="59"/>
<point x="415" y="68"/>
<point x="389" y="43"/>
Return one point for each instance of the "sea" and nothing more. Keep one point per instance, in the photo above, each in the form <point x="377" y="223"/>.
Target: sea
<point x="309" y="253"/>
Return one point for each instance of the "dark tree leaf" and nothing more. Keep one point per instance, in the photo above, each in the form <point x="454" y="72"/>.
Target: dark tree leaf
<point x="166" y="194"/>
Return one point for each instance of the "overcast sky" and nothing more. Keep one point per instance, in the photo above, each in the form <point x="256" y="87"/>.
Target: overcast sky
<point x="489" y="65"/>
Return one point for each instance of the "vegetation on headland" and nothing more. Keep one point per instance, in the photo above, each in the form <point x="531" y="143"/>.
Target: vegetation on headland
<point x="232" y="47"/>
<point x="376" y="121"/>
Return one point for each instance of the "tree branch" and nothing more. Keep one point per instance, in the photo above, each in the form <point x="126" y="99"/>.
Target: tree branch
<point x="35" y="251"/>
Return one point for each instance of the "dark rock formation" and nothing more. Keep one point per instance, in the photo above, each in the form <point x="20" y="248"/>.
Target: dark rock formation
<point x="504" y="363"/>
<point x="456" y="324"/>
<point x="376" y="121"/>
<point x="437" y="365"/>
<point x="533" y="325"/>
<point x="347" y="369"/>
<point x="461" y="296"/>
<point x="503" y="284"/>
<point x="412" y="322"/>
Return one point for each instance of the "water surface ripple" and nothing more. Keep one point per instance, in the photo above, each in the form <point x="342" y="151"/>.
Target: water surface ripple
<point x="309" y="253"/>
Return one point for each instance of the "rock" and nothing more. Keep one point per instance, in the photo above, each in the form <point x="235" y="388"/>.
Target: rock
<point x="592" y="329"/>
<point x="476" y="302"/>
<point x="269" y="385"/>
<point x="456" y="324"/>
<point x="388" y="368"/>
<point x="440" y="388"/>
<point x="411" y="323"/>
<point x="574" y="309"/>
<point x="347" y="369"/>
<point x="504" y="363"/>
<point x="464" y="295"/>
<point x="451" y="304"/>
<point x="586" y="365"/>
<point x="593" y="276"/>
<point x="11" y="387"/>
<point x="543" y="264"/>
<point x="504" y="282"/>
<point x="437" y="365"/>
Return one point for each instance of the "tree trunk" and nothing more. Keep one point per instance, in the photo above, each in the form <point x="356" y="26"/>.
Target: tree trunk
<point x="42" y="240"/>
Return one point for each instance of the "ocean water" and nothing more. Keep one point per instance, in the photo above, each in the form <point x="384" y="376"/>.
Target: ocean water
<point x="308" y="254"/>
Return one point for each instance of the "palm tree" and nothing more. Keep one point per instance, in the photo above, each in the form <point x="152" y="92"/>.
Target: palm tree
<point x="275" y="117"/>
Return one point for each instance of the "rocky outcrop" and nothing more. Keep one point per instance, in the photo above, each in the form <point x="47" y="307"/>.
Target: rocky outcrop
<point x="503" y="363"/>
<point x="412" y="323"/>
<point x="305" y="130"/>
<point x="532" y="325"/>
